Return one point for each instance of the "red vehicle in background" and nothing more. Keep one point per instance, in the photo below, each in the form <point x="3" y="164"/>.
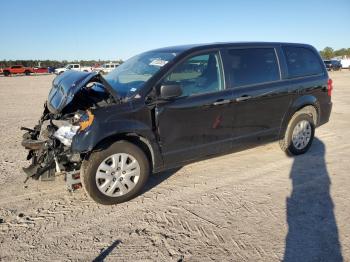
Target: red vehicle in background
<point x="17" y="69"/>
<point x="40" y="70"/>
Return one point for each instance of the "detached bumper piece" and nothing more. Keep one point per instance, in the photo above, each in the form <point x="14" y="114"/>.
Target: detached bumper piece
<point x="42" y="156"/>
<point x="32" y="144"/>
<point x="35" y="171"/>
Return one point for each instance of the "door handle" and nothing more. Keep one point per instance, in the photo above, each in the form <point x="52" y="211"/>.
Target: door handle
<point x="243" y="98"/>
<point x="221" y="102"/>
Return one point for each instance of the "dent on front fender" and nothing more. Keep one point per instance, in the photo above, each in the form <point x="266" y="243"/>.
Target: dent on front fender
<point x="83" y="142"/>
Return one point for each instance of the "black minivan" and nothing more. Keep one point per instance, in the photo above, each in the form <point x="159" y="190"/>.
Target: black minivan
<point x="172" y="106"/>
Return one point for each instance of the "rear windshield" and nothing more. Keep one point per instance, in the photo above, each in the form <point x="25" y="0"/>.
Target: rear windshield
<point x="302" y="61"/>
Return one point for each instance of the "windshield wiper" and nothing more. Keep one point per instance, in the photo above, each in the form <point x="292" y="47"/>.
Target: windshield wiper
<point x="110" y="89"/>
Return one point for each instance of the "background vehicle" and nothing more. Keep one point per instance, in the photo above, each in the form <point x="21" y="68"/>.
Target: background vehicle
<point x="333" y="65"/>
<point x="40" y="70"/>
<point x="344" y="60"/>
<point x="17" y="69"/>
<point x="106" y="68"/>
<point x="75" y="67"/>
<point x="172" y="106"/>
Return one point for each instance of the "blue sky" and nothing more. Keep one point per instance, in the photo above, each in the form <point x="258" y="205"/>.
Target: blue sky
<point x="107" y="29"/>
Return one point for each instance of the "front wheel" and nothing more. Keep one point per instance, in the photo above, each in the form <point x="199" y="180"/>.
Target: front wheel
<point x="115" y="174"/>
<point x="27" y="73"/>
<point x="299" y="134"/>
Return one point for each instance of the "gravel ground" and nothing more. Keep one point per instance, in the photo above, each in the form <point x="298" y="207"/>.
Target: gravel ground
<point x="255" y="205"/>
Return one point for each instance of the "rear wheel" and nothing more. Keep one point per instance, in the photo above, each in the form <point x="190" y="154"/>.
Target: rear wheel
<point x="27" y="73"/>
<point x="115" y="174"/>
<point x="299" y="134"/>
<point x="6" y="73"/>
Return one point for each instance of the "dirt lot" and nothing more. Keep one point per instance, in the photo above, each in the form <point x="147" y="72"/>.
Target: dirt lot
<point x="256" y="205"/>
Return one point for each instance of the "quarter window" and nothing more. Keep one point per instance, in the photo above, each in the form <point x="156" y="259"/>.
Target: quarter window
<point x="302" y="62"/>
<point x="252" y="66"/>
<point x="198" y="75"/>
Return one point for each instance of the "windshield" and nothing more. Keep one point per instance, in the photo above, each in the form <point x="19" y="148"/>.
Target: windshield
<point x="130" y="76"/>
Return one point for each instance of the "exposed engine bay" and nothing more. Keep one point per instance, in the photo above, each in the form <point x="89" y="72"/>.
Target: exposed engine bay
<point x="69" y="110"/>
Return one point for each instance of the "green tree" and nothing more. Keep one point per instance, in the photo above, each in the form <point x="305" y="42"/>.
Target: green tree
<point x="327" y="53"/>
<point x="340" y="52"/>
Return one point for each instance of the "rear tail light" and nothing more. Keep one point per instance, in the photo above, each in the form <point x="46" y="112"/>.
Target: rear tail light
<point x="329" y="87"/>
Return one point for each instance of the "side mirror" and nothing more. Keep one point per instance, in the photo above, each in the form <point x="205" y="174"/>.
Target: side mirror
<point x="170" y="91"/>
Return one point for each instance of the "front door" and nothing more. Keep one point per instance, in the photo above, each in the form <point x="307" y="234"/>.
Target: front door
<point x="199" y="122"/>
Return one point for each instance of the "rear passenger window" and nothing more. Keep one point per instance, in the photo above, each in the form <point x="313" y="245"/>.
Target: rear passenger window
<point x="252" y="66"/>
<point x="301" y="62"/>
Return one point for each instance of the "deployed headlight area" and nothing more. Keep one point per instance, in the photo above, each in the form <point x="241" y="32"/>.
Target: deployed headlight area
<point x="80" y="122"/>
<point x="65" y="134"/>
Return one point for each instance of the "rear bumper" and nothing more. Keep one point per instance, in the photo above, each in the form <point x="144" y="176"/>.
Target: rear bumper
<point x="326" y="110"/>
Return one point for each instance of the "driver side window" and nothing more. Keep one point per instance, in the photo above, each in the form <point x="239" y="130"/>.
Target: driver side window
<point x="198" y="75"/>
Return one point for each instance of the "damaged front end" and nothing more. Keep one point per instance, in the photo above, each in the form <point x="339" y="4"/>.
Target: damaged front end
<point x="68" y="110"/>
<point x="49" y="149"/>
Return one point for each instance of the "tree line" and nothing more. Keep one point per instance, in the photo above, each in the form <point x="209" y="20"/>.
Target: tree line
<point x="53" y="63"/>
<point x="329" y="52"/>
<point x="326" y="53"/>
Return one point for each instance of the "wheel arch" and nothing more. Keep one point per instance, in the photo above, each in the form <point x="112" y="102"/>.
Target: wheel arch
<point x="142" y="142"/>
<point x="308" y="104"/>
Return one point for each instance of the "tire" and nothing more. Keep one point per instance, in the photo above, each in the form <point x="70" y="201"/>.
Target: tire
<point x="300" y="119"/>
<point x="27" y="73"/>
<point x="104" y="163"/>
<point x="6" y="73"/>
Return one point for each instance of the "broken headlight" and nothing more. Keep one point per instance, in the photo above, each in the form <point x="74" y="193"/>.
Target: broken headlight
<point x="65" y="134"/>
<point x="86" y="120"/>
<point x="80" y="122"/>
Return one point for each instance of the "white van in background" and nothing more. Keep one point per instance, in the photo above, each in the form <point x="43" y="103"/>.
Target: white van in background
<point x="106" y="68"/>
<point x="344" y="60"/>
